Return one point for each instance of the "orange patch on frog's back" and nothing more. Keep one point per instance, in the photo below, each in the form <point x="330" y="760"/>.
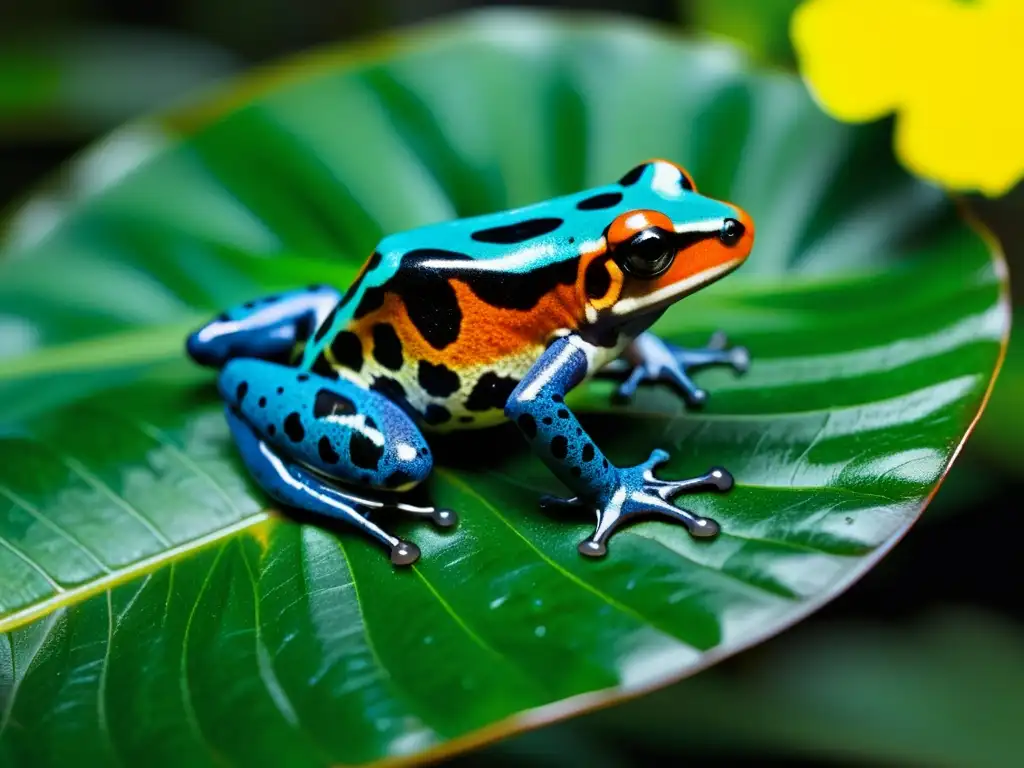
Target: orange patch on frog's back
<point x="487" y="334"/>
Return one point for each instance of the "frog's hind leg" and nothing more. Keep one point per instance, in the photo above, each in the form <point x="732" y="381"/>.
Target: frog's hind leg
<point x="311" y="441"/>
<point x="294" y="486"/>
<point x="269" y="328"/>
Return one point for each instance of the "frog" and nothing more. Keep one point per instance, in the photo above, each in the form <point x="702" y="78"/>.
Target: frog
<point x="472" y="322"/>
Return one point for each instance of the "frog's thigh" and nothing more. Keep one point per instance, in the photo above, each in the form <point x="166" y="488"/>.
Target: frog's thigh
<point x="267" y="328"/>
<point x="340" y="430"/>
<point x="293" y="485"/>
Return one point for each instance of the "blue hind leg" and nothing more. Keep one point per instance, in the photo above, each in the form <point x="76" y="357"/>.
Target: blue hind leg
<point x="270" y="328"/>
<point x="294" y="486"/>
<point x="302" y="436"/>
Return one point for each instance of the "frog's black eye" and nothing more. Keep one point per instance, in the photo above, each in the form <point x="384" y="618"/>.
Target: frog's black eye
<point x="647" y="254"/>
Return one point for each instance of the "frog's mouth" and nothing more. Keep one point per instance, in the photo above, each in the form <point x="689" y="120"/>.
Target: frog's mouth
<point x="661" y="298"/>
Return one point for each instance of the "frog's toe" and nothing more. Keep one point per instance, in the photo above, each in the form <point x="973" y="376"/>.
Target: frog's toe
<point x="658" y="457"/>
<point x="695" y="396"/>
<point x="439" y="516"/>
<point x="715" y="479"/>
<point x="718" y="340"/>
<point x="625" y="392"/>
<point x="444" y="518"/>
<point x="705" y="528"/>
<point x="739" y="358"/>
<point x="404" y="553"/>
<point x="592" y="548"/>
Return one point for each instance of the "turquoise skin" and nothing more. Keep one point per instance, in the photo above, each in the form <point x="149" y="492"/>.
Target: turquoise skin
<point x="327" y="396"/>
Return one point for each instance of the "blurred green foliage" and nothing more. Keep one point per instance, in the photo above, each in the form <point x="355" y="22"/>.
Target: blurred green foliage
<point x="759" y="26"/>
<point x="77" y="83"/>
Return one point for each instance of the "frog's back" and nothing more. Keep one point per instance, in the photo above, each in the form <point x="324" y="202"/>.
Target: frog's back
<point x="535" y="232"/>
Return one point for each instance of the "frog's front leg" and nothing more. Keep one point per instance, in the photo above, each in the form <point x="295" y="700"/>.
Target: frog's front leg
<point x="648" y="358"/>
<point x="616" y="494"/>
<point x="269" y="328"/>
<point x="301" y="436"/>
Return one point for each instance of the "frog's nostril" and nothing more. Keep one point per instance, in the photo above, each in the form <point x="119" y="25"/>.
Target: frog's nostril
<point x="732" y="232"/>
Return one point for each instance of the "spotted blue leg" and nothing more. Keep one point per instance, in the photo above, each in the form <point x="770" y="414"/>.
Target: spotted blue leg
<point x="301" y="434"/>
<point x="294" y="486"/>
<point x="649" y="358"/>
<point x="617" y="494"/>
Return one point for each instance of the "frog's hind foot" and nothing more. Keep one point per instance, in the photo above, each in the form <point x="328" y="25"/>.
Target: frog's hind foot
<point x="651" y="359"/>
<point x="640" y="494"/>
<point x="295" y="486"/>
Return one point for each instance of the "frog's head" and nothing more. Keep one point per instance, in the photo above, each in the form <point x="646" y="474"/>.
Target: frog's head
<point x="665" y="242"/>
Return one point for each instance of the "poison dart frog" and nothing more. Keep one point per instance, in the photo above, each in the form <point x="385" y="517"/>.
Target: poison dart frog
<point x="467" y="323"/>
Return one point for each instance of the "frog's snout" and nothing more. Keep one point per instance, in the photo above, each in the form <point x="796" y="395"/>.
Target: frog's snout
<point x="737" y="234"/>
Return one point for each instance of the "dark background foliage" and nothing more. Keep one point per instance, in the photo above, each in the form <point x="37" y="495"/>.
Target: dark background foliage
<point x="932" y="636"/>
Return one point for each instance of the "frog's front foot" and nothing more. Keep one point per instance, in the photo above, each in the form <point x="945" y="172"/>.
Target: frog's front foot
<point x="635" y="492"/>
<point x="655" y="360"/>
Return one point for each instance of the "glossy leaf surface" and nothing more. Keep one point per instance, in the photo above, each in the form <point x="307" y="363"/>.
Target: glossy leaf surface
<point x="157" y="612"/>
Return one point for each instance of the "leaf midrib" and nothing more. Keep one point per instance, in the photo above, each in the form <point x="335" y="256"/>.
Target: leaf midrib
<point x="73" y="595"/>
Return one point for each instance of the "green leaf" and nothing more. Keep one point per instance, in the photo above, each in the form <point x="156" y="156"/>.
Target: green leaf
<point x="157" y="611"/>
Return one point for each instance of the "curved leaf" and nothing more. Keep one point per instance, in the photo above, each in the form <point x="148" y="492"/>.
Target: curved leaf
<point x="156" y="611"/>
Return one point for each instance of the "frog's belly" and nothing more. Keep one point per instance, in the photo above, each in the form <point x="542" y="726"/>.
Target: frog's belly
<point x="470" y="397"/>
<point x="453" y="398"/>
<point x="464" y="381"/>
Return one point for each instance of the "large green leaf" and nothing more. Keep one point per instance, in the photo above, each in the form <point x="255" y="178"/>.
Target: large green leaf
<point x="157" y="612"/>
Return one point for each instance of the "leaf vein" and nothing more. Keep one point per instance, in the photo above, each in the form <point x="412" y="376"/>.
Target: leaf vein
<point x="101" y="687"/>
<point x="48" y="625"/>
<point x="14" y="550"/>
<point x="94" y="482"/>
<point x="37" y="514"/>
<point x="188" y="704"/>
